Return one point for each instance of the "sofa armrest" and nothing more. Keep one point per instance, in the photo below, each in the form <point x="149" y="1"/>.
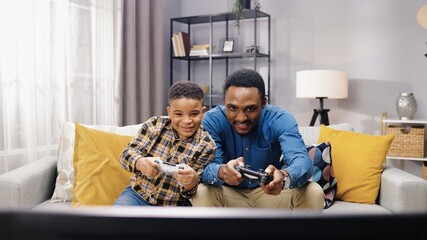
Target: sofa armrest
<point x="402" y="192"/>
<point x="29" y="185"/>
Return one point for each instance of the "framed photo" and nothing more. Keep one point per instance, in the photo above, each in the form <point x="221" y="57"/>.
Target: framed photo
<point x="228" y="45"/>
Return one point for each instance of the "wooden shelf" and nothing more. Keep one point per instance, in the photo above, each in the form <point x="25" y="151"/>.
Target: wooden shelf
<point x="409" y="122"/>
<point x="406" y="158"/>
<point x="384" y="122"/>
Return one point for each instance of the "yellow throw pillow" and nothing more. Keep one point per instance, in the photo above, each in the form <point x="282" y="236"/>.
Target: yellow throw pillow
<point x="358" y="163"/>
<point x="98" y="177"/>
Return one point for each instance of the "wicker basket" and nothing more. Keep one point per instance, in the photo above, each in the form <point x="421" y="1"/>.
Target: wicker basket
<point x="408" y="141"/>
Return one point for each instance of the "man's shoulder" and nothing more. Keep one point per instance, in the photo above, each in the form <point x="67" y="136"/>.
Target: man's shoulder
<point x="276" y="114"/>
<point x="217" y="109"/>
<point x="216" y="112"/>
<point x="273" y="109"/>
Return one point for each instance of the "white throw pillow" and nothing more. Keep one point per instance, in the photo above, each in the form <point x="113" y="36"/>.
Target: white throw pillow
<point x="311" y="134"/>
<point x="64" y="181"/>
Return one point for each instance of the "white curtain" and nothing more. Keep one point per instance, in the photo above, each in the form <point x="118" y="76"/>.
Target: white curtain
<point x="56" y="64"/>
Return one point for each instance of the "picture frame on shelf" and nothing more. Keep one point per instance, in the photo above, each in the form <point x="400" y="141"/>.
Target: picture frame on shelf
<point x="228" y="45"/>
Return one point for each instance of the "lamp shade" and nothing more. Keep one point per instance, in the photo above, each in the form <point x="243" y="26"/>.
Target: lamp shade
<point x="321" y="84"/>
<point x="422" y="16"/>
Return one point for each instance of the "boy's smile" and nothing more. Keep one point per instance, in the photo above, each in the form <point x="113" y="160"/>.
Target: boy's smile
<point x="186" y="116"/>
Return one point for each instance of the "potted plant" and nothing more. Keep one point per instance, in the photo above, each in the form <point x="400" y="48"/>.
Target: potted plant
<point x="239" y="7"/>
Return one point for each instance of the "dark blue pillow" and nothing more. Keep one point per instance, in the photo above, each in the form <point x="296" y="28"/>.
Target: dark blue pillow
<point x="323" y="172"/>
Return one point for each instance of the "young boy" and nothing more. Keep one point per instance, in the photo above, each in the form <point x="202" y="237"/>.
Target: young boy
<point x="174" y="139"/>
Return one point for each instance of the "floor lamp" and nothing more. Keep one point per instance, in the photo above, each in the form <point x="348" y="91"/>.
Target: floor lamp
<point x="321" y="84"/>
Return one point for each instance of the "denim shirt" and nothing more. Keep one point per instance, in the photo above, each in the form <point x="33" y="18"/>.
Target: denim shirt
<point x="275" y="136"/>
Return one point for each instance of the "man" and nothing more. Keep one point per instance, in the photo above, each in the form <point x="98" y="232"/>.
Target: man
<point x="250" y="133"/>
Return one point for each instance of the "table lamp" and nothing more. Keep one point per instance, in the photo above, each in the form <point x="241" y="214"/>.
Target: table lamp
<point x="321" y="84"/>
<point x="422" y="18"/>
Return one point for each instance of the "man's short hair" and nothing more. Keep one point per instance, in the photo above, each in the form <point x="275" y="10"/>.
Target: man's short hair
<point x="245" y="78"/>
<point x="185" y="89"/>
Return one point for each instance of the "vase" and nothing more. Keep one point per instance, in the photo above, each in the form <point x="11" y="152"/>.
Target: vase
<point x="406" y="106"/>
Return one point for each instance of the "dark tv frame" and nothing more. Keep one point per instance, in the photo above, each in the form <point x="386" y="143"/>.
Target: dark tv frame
<point x="202" y="223"/>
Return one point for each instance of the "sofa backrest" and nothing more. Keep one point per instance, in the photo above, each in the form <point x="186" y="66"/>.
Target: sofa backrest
<point x="311" y="134"/>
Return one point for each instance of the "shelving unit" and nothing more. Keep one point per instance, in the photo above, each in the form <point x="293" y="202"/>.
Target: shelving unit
<point x="226" y="19"/>
<point x="385" y="121"/>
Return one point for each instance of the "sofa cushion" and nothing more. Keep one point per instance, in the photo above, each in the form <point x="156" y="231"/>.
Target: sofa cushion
<point x="358" y="160"/>
<point x="350" y="208"/>
<point x="98" y="177"/>
<point x="64" y="182"/>
<point x="323" y="172"/>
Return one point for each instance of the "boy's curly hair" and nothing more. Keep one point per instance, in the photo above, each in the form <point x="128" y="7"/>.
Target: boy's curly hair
<point x="185" y="89"/>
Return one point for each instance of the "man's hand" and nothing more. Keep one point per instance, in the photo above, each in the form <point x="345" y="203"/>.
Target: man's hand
<point x="229" y="174"/>
<point x="276" y="185"/>
<point x="187" y="177"/>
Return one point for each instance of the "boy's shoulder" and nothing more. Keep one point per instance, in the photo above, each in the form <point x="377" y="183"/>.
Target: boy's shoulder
<point x="155" y="120"/>
<point x="156" y="123"/>
<point x="203" y="136"/>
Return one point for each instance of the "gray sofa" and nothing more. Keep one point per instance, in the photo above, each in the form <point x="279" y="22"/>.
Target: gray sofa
<point x="31" y="186"/>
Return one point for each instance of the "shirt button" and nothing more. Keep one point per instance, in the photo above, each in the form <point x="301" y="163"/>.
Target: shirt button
<point x="246" y="149"/>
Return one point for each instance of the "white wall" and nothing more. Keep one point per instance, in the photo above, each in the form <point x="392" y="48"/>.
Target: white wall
<point x="378" y="43"/>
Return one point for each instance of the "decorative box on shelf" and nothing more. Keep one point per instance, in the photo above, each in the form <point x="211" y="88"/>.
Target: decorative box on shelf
<point x="408" y="141"/>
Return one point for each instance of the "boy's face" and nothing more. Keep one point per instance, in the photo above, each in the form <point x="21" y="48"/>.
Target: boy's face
<point x="243" y="108"/>
<point x="186" y="116"/>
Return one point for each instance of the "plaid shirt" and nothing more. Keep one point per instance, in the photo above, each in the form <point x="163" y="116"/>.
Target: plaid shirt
<point x="157" y="138"/>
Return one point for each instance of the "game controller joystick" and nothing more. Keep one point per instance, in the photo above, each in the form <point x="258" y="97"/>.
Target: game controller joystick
<point x="259" y="175"/>
<point x="168" y="168"/>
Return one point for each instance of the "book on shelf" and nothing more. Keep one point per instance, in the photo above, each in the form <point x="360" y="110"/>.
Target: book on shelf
<point x="200" y="47"/>
<point x="178" y="45"/>
<point x="175" y="45"/>
<point x="199" y="53"/>
<point x="181" y="44"/>
<point x="184" y="43"/>
<point x="200" y="50"/>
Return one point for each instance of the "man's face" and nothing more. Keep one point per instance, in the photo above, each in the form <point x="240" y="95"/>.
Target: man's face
<point x="243" y="108"/>
<point x="186" y="116"/>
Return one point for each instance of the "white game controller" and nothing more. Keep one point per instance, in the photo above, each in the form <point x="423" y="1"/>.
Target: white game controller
<point x="168" y="168"/>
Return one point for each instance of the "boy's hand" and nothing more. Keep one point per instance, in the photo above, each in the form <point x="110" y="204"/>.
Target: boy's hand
<point x="147" y="167"/>
<point x="229" y="174"/>
<point x="276" y="185"/>
<point x="187" y="177"/>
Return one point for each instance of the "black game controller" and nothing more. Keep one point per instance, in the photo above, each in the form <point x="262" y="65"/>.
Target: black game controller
<point x="259" y="175"/>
